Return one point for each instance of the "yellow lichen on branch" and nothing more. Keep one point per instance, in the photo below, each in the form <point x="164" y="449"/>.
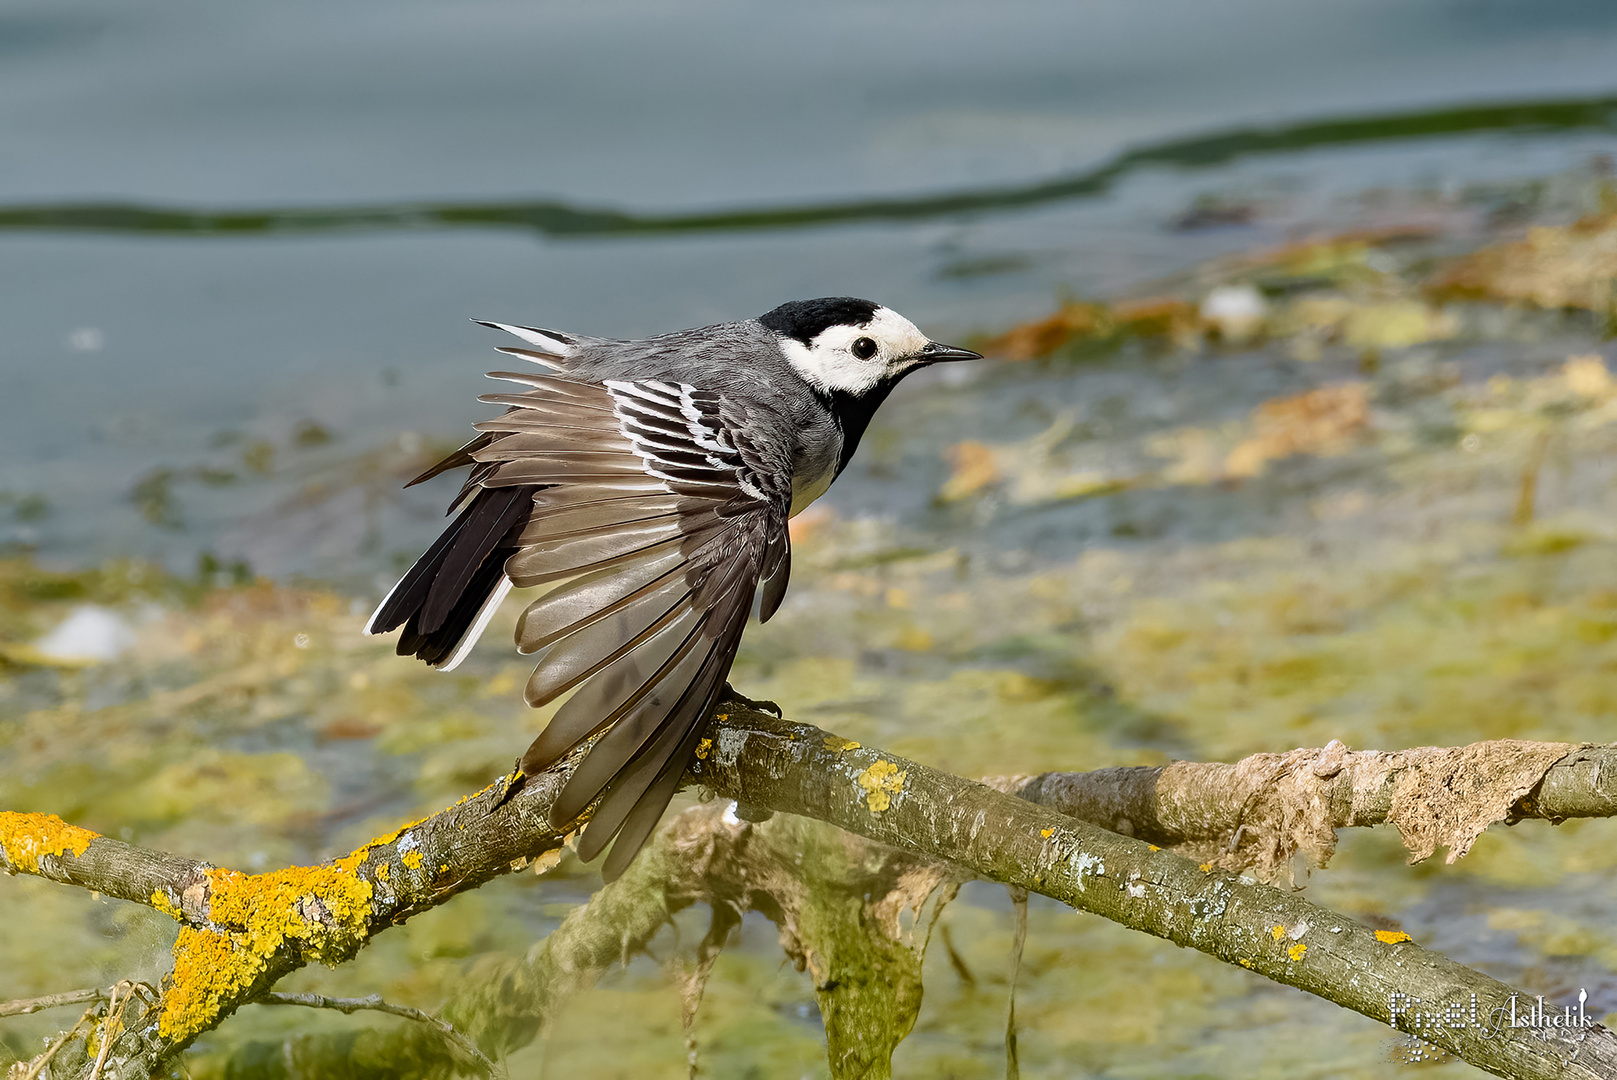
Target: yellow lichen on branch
<point x="880" y="783"/>
<point x="207" y="969"/>
<point x="27" y="838"/>
<point x="324" y="910"/>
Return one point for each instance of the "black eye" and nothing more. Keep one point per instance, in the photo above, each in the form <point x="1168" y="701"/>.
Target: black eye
<point x="864" y="348"/>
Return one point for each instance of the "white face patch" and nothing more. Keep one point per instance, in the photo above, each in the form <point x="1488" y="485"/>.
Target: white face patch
<point x="829" y="361"/>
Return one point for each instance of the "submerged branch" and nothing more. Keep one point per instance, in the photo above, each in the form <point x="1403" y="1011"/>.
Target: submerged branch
<point x="242" y="933"/>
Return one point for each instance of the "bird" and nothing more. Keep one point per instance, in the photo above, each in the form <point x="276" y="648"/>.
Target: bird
<point x="653" y="479"/>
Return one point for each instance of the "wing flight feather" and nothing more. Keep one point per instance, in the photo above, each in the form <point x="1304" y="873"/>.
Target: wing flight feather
<point x="660" y="509"/>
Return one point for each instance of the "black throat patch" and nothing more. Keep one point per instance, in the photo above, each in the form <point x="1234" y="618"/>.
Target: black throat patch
<point x="853" y="415"/>
<point x="805" y="320"/>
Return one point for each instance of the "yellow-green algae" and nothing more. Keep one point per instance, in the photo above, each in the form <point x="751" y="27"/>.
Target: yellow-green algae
<point x="1343" y="623"/>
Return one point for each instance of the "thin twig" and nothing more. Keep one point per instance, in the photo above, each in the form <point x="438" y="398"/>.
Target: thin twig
<point x="1013" y="1065"/>
<point x="44" y="1059"/>
<point x="374" y="1003"/>
<point x="113" y="1027"/>
<point x="113" y="1011"/>
<point x="24" y="1006"/>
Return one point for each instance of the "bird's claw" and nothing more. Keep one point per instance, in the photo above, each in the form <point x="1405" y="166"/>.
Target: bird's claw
<point x="730" y="694"/>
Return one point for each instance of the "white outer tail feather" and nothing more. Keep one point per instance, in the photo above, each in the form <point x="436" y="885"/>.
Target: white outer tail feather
<point x="539" y="339"/>
<point x="556" y="347"/>
<point x="370" y="623"/>
<point x="484" y="614"/>
<point x="464" y="648"/>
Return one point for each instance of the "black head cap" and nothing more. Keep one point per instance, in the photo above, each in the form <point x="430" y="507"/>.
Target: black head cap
<point x="806" y="319"/>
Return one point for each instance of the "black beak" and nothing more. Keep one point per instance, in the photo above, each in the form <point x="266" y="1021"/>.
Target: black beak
<point x="936" y="352"/>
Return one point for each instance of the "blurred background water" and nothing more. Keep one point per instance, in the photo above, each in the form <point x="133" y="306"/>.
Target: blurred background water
<point x="240" y="246"/>
<point x="128" y="350"/>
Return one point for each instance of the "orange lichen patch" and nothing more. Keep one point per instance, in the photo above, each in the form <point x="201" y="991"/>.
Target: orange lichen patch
<point x="1157" y="316"/>
<point x="1042" y="337"/>
<point x="1588" y="377"/>
<point x="27" y="838"/>
<point x="1277" y="932"/>
<point x="382" y="841"/>
<point x="160" y="901"/>
<point x="837" y="744"/>
<point x="1296" y="951"/>
<point x="972" y="468"/>
<point x="324" y="909"/>
<point x="1047" y="833"/>
<point x="1148" y="317"/>
<point x="1392" y="937"/>
<point x="1552" y="267"/>
<point x="1206" y="868"/>
<point x="881" y="782"/>
<point x="703" y="749"/>
<point x="1319" y="421"/>
<point x="412" y="860"/>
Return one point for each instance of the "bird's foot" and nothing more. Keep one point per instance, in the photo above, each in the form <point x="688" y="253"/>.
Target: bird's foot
<point x="756" y="706"/>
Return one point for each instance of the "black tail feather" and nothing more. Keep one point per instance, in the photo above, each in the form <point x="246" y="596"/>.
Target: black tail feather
<point x="438" y="601"/>
<point x="490" y="516"/>
<point x="435" y="647"/>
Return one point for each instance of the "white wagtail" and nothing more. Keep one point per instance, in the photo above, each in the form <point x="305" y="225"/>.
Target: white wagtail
<point x="656" y="478"/>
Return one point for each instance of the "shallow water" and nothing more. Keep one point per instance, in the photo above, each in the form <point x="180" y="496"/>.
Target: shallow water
<point x="128" y="351"/>
<point x="253" y="387"/>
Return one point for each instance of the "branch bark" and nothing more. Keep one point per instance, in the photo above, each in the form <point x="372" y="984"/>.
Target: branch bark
<point x="241" y="933"/>
<point x="1260" y="812"/>
<point x="836" y="899"/>
<point x="1387" y="977"/>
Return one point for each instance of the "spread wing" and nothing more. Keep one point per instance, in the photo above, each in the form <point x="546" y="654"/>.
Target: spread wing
<point x="663" y="507"/>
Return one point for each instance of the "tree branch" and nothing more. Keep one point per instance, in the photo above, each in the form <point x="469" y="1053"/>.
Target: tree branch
<point x="796" y="768"/>
<point x="1260" y="811"/>
<point x="242" y="933"/>
<point x="374" y="1003"/>
<point x="24" y="1006"/>
<point x="836" y="899"/>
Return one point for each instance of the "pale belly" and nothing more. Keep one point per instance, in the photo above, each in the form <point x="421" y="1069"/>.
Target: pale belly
<point x="806" y="491"/>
